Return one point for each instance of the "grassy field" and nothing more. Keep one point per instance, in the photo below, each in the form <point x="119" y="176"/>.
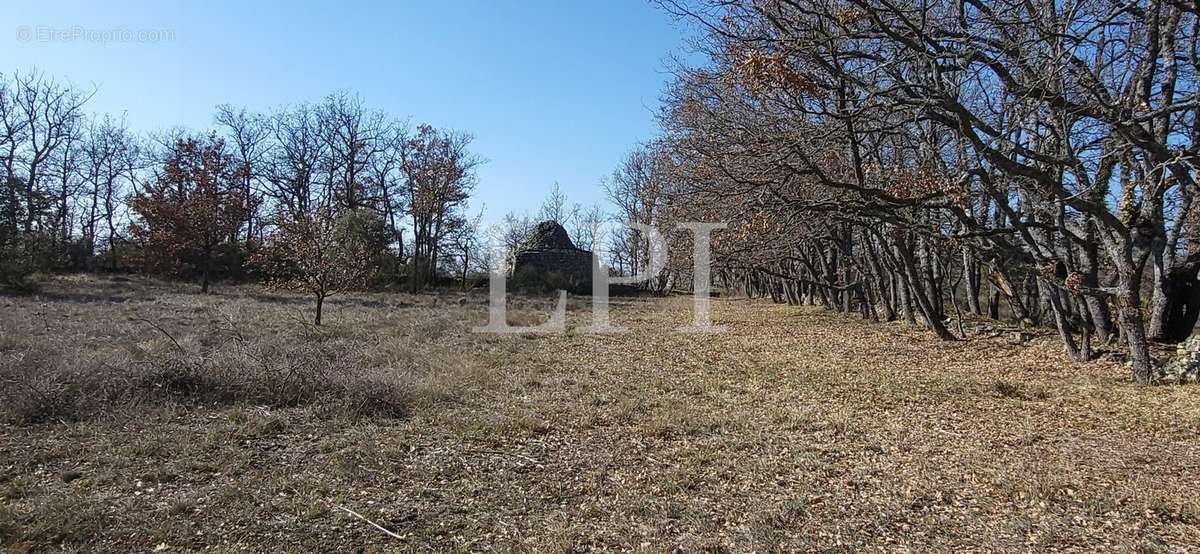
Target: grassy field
<point x="141" y="416"/>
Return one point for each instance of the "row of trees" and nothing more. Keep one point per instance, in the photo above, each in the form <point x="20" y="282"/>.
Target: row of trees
<point x="82" y="192"/>
<point x="1025" y="160"/>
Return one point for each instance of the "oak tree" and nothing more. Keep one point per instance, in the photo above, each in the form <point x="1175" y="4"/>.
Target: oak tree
<point x="197" y="205"/>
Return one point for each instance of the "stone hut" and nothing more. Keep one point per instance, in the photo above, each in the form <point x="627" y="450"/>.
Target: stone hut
<point x="548" y="258"/>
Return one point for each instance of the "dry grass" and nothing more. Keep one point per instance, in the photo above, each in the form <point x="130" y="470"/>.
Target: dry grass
<point x="795" y="430"/>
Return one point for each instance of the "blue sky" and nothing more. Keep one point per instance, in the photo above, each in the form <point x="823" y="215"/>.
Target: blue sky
<point x="553" y="91"/>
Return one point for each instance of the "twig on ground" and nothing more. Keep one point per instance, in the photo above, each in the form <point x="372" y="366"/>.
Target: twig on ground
<point x="392" y="534"/>
<point x="161" y="330"/>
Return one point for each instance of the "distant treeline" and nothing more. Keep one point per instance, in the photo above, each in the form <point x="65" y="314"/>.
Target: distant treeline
<point x="85" y="193"/>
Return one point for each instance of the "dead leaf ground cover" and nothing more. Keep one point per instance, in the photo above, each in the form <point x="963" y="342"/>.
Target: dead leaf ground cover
<point x="795" y="429"/>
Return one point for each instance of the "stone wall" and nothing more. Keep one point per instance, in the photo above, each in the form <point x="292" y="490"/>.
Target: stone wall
<point x="561" y="268"/>
<point x="1184" y="367"/>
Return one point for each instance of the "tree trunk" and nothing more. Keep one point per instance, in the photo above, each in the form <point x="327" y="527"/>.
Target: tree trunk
<point x="1133" y="328"/>
<point x="1176" y="304"/>
<point x="1057" y="310"/>
<point x="918" y="293"/>
<point x="205" y="275"/>
<point x="320" y="308"/>
<point x="1097" y="307"/>
<point x="1085" y="339"/>
<point x="901" y="290"/>
<point x="973" y="276"/>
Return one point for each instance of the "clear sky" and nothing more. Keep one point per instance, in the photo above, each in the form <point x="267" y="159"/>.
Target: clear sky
<point x="552" y="91"/>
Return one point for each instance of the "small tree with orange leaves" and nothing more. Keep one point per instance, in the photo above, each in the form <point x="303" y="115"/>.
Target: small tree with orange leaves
<point x="318" y="253"/>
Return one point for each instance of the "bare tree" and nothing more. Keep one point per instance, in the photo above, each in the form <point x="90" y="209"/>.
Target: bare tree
<point x="294" y="159"/>
<point x="248" y="135"/>
<point x="554" y="208"/>
<point x="110" y="157"/>
<point x="511" y="232"/>
<point x="39" y="117"/>
<point x="352" y="136"/>
<point x="637" y="188"/>
<point x="386" y="181"/>
<point x="467" y="249"/>
<point x="48" y="112"/>
<point x="67" y="183"/>
<point x="587" y="227"/>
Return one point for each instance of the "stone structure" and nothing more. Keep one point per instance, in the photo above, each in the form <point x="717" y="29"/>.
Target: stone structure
<point x="549" y="259"/>
<point x="1184" y="367"/>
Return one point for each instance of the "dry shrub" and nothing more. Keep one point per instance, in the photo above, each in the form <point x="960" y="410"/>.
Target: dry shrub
<point x="39" y="385"/>
<point x="281" y="375"/>
<point x="294" y="380"/>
